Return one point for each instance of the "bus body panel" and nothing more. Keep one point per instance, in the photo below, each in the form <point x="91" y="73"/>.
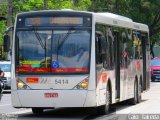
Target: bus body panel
<point x="50" y="82"/>
<point x="127" y="75"/>
<point x="101" y="87"/>
<point x="92" y="85"/>
<point x="53" y="98"/>
<point x="15" y="99"/>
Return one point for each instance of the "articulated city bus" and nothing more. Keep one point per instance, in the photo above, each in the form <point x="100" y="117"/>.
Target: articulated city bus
<point x="67" y="58"/>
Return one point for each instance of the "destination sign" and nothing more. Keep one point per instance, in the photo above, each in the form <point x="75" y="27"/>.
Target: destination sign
<point x="49" y="21"/>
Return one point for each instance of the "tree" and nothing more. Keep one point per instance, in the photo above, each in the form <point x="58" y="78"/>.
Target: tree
<point x="3" y="12"/>
<point x="143" y="11"/>
<point x="21" y="6"/>
<point x="147" y="12"/>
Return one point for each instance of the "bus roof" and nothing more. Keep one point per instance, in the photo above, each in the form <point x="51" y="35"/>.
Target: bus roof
<point x="118" y="20"/>
<point x="115" y="16"/>
<point x="40" y="12"/>
<point x="102" y="17"/>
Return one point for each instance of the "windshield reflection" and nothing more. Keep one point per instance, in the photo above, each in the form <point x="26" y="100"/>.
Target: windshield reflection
<point x="53" y="51"/>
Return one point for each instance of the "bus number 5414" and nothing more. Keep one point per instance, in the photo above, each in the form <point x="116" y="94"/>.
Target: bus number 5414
<point x="61" y="81"/>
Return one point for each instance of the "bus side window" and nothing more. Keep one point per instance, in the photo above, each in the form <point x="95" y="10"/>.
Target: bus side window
<point x="98" y="51"/>
<point x="110" y="48"/>
<point x="137" y="45"/>
<point x="101" y="50"/>
<point x="103" y="43"/>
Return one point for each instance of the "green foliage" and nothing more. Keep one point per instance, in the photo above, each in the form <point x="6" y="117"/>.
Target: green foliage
<point x="147" y="12"/>
<point x="20" y="6"/>
<point x="155" y="39"/>
<point x="143" y="11"/>
<point x="103" y="5"/>
<point x="3" y="12"/>
<point x="31" y="5"/>
<point x="2" y="30"/>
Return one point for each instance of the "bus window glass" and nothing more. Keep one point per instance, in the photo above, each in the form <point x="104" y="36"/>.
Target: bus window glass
<point x="111" y="47"/>
<point x="126" y="48"/>
<point x="34" y="46"/>
<point x="70" y="51"/>
<point x="137" y="44"/>
<point x="58" y="51"/>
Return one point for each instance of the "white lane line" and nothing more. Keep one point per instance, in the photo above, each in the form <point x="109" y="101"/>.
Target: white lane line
<point x="21" y="112"/>
<point x="5" y="105"/>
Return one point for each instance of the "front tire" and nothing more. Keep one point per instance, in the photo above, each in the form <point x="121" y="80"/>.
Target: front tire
<point x="139" y="97"/>
<point x="134" y="100"/>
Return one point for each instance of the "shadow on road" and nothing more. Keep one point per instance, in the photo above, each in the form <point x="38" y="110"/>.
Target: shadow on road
<point x="59" y="114"/>
<point x="74" y="113"/>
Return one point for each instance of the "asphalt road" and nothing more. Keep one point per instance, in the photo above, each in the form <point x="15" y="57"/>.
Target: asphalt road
<point x="149" y="106"/>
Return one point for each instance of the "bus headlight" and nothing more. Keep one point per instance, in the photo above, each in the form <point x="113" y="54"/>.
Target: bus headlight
<point x="22" y="85"/>
<point x="83" y="84"/>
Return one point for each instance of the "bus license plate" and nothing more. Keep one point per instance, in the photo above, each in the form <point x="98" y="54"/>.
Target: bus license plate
<point x="51" y="95"/>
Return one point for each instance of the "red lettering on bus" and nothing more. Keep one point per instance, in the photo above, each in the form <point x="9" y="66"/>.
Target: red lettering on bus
<point x="51" y="95"/>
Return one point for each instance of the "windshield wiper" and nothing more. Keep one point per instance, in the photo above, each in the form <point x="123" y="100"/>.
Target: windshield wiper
<point x="39" y="39"/>
<point x="63" y="40"/>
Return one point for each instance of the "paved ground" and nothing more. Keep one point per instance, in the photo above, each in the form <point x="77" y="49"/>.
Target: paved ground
<point x="150" y="105"/>
<point x="150" y="102"/>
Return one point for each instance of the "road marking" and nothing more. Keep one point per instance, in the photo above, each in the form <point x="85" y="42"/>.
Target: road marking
<point x="5" y="105"/>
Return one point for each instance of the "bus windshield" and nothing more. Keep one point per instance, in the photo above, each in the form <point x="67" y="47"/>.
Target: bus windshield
<point x="53" y="51"/>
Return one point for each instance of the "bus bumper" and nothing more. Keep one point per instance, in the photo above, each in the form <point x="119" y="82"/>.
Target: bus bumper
<point x="53" y="98"/>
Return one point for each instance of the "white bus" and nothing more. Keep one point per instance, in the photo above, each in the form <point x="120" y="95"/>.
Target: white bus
<point x="67" y="58"/>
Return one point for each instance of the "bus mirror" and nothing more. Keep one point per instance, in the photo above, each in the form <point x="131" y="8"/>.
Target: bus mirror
<point x="9" y="29"/>
<point x="6" y="43"/>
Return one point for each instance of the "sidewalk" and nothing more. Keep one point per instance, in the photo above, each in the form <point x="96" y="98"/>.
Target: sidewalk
<point x="150" y="102"/>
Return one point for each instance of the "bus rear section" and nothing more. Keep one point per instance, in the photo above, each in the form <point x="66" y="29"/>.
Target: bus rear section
<point x="53" y="60"/>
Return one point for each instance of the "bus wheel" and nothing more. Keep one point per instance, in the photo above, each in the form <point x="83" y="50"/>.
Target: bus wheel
<point x="37" y="110"/>
<point x="105" y="108"/>
<point x="139" y="97"/>
<point x="134" y="100"/>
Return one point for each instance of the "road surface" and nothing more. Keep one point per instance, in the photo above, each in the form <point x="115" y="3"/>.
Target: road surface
<point x="149" y="108"/>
